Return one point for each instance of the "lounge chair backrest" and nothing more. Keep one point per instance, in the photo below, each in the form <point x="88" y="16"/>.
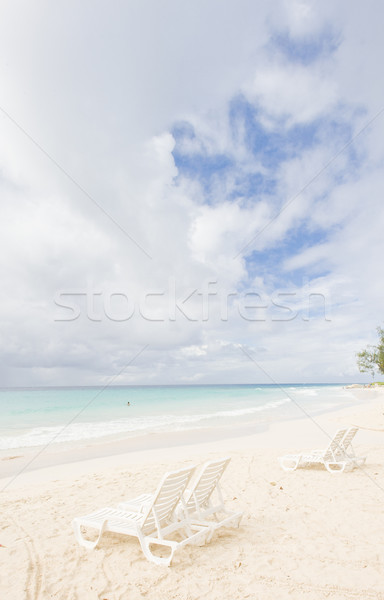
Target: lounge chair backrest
<point x="167" y="496"/>
<point x="208" y="480"/>
<point x="349" y="436"/>
<point x="335" y="447"/>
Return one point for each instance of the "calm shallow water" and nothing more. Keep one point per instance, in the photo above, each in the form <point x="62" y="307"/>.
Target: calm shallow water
<point x="35" y="417"/>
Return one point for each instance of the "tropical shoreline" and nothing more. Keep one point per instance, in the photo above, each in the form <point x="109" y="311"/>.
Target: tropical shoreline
<point x="21" y="459"/>
<point x="29" y="464"/>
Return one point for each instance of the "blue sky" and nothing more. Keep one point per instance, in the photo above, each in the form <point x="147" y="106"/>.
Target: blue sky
<point x="271" y="146"/>
<point x="307" y="49"/>
<point x="160" y="166"/>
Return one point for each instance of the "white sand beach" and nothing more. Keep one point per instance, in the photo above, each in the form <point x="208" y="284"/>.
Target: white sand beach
<point x="305" y="535"/>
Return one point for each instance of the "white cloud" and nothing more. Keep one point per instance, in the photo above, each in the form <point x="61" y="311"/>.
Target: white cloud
<point x="302" y="18"/>
<point x="100" y="92"/>
<point x="292" y="93"/>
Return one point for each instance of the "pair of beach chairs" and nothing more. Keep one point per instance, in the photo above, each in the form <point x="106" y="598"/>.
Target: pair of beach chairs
<point x="337" y="457"/>
<point x="192" y="514"/>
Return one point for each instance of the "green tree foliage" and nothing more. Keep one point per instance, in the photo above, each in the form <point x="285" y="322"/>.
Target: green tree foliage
<point x="372" y="358"/>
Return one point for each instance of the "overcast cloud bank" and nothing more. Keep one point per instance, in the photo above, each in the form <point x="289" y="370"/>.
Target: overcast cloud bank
<point x="185" y="186"/>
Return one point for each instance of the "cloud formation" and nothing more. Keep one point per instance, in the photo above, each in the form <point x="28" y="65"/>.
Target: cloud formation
<point x="191" y="180"/>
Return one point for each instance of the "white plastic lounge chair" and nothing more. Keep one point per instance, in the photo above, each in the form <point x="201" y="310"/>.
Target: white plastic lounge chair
<point x="198" y="505"/>
<point x="334" y="458"/>
<point x="348" y="448"/>
<point x="154" y="525"/>
<point x="205" y="499"/>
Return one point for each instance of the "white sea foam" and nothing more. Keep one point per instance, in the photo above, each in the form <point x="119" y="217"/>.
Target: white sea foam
<point x="306" y="392"/>
<point x="81" y="431"/>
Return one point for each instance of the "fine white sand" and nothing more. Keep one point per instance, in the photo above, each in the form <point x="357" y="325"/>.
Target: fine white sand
<point x="304" y="535"/>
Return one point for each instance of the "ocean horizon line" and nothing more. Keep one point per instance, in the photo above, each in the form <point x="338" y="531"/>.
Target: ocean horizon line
<point x="173" y="385"/>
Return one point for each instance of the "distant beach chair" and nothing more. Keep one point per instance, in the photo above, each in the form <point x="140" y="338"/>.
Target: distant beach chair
<point x="154" y="525"/>
<point x="335" y="458"/>
<point x="346" y="443"/>
<point x="203" y="504"/>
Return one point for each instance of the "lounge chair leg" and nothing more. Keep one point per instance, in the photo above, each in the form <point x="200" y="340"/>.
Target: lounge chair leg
<point x="339" y="469"/>
<point x="81" y="539"/>
<point x="158" y="560"/>
<point x="292" y="464"/>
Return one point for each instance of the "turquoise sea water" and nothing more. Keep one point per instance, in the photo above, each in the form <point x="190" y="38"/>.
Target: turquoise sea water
<point x="35" y="417"/>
